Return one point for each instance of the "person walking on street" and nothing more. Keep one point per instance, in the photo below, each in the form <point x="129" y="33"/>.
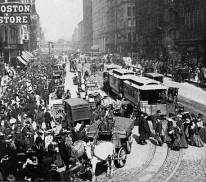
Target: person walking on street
<point x="47" y="119"/>
<point x="154" y="119"/>
<point x="144" y="130"/>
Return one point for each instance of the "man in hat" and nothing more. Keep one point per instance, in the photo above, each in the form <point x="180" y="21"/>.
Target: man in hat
<point x="144" y="130"/>
<point x="47" y="119"/>
<point x="39" y="149"/>
<point x="154" y="119"/>
<point x="136" y="114"/>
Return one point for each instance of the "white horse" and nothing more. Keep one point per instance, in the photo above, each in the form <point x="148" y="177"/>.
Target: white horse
<point x="99" y="153"/>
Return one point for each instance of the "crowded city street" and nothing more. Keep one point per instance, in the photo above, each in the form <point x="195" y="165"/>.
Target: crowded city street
<point x="89" y="96"/>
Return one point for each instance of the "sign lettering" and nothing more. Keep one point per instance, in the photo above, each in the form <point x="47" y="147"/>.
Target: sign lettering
<point x="13" y="13"/>
<point x="15" y="8"/>
<point x="15" y="19"/>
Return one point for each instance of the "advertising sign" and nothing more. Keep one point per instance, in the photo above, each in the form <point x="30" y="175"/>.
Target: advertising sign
<point x="15" y="19"/>
<point x="13" y="13"/>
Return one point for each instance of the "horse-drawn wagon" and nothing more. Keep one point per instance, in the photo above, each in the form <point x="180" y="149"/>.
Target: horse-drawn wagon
<point x="118" y="132"/>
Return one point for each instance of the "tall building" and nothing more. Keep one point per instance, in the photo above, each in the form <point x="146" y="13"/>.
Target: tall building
<point x="87" y="25"/>
<point x="75" y="38"/>
<point x="192" y="26"/>
<point x="182" y="21"/>
<point x="99" y="19"/>
<point x="121" y="33"/>
<point x="81" y="35"/>
<point x="149" y="19"/>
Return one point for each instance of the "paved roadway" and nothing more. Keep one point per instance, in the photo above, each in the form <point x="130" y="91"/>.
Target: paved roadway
<point x="150" y="163"/>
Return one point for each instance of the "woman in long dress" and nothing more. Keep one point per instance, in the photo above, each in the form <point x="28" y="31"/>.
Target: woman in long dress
<point x="195" y="137"/>
<point x="179" y="137"/>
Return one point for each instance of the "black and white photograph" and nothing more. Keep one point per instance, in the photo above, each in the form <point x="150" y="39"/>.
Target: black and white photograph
<point x="103" y="90"/>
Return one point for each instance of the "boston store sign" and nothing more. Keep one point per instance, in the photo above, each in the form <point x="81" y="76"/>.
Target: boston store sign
<point x="15" y="13"/>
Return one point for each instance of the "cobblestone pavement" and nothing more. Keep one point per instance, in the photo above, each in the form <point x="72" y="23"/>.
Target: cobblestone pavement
<point x="168" y="167"/>
<point x="192" y="167"/>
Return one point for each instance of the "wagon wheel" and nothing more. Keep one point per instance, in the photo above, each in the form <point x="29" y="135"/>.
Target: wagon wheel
<point x="121" y="157"/>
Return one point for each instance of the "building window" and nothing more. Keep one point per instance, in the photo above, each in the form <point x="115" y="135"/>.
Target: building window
<point x="129" y="11"/>
<point x="129" y="37"/>
<point x="129" y="24"/>
<point x="134" y="37"/>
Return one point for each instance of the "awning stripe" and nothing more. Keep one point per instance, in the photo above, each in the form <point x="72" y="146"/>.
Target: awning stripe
<point x="22" y="60"/>
<point x="30" y="54"/>
<point x="25" y="58"/>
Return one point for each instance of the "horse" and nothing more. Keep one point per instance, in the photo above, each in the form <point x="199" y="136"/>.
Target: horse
<point x="104" y="151"/>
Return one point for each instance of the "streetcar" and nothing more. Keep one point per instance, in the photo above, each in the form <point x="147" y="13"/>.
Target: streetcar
<point x="146" y="93"/>
<point x="108" y="68"/>
<point x="116" y="78"/>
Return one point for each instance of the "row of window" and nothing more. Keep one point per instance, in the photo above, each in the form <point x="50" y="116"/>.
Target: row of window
<point x="131" y="92"/>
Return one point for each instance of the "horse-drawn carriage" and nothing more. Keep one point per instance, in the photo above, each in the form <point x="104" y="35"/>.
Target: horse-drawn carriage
<point x="118" y="131"/>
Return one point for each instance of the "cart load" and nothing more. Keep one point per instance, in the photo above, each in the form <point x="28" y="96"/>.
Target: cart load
<point x="57" y="110"/>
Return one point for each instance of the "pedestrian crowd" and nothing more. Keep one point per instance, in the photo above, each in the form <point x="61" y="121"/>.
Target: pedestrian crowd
<point x="178" y="131"/>
<point x="26" y="125"/>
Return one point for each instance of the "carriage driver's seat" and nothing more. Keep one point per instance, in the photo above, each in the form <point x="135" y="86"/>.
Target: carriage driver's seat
<point x="106" y="128"/>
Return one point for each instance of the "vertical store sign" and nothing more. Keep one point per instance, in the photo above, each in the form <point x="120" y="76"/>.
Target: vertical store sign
<point x="15" y="13"/>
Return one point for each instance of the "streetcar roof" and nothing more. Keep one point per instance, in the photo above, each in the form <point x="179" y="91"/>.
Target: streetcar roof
<point x="141" y="80"/>
<point x="146" y="87"/>
<point x="123" y="71"/>
<point x="154" y="74"/>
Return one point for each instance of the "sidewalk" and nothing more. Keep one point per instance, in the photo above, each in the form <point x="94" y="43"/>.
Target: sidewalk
<point x="188" y="90"/>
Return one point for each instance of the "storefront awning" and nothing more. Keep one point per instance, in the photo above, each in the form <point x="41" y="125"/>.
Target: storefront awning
<point x="25" y="58"/>
<point x="22" y="60"/>
<point x="95" y="47"/>
<point x="25" y="55"/>
<point x="29" y="53"/>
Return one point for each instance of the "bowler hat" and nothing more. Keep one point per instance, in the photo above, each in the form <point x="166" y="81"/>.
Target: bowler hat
<point x="11" y="177"/>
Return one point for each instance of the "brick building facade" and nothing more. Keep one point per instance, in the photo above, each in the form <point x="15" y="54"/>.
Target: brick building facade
<point x="180" y="20"/>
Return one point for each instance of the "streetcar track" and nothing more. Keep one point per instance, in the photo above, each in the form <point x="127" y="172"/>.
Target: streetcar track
<point x="168" y="150"/>
<point x="176" y="167"/>
<point x="147" y="163"/>
<point x="169" y="167"/>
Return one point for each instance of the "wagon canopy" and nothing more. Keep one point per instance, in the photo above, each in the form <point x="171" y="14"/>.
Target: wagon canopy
<point x="77" y="109"/>
<point x="123" y="126"/>
<point x="76" y="102"/>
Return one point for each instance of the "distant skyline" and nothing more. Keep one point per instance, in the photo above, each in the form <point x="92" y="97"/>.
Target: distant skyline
<point x="59" y="18"/>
